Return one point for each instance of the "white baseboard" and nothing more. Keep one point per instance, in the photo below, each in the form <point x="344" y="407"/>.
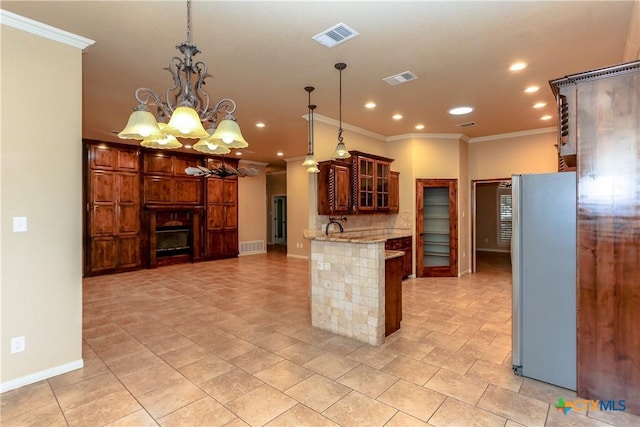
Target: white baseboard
<point x="252" y="253"/>
<point x="42" y="375"/>
<point x="464" y="273"/>
<point x="298" y="256"/>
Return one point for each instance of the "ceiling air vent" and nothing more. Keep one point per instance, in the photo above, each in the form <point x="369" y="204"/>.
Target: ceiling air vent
<point x="466" y="124"/>
<point x="403" y="77"/>
<point x="335" y="35"/>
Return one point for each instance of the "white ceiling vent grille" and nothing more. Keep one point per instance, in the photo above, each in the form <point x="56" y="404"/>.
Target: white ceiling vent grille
<point x="335" y="35"/>
<point x="466" y="124"/>
<point x="403" y="77"/>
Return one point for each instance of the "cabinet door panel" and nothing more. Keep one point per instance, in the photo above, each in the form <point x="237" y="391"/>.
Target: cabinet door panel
<point x="181" y="163"/>
<point x="103" y="187"/>
<point x="157" y="189"/>
<point x="103" y="253"/>
<point x="127" y="160"/>
<point x="102" y="157"/>
<point x="394" y="192"/>
<point x="230" y="243"/>
<point x="214" y="190"/>
<point x="129" y="251"/>
<point x="128" y="218"/>
<point x="159" y="164"/>
<point x="128" y="188"/>
<point x="230" y="191"/>
<point x="342" y="193"/>
<point x="187" y="190"/>
<point x="102" y="220"/>
<point x="215" y="217"/>
<point x="215" y="241"/>
<point x="230" y="216"/>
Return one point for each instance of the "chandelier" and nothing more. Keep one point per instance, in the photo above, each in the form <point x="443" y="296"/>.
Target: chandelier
<point x="309" y="161"/>
<point x="341" y="149"/>
<point x="184" y="108"/>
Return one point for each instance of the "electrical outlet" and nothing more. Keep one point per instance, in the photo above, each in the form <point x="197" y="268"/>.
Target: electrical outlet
<point x="17" y="344"/>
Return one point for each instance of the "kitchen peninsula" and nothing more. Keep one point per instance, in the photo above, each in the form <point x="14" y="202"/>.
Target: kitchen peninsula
<point x="350" y="295"/>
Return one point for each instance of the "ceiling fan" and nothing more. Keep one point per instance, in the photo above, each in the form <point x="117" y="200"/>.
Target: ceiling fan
<point x="222" y="171"/>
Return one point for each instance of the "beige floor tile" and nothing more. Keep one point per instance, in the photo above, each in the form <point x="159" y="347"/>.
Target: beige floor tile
<point x="373" y="356"/>
<point x="93" y="367"/>
<point x="185" y="355"/>
<point x="341" y="346"/>
<point x="412" y="399"/>
<point x="103" y="410"/>
<point x="318" y="392"/>
<point x="205" y="369"/>
<point x="133" y="362"/>
<point x="22" y="400"/>
<point x="444" y="341"/>
<point x="232" y="348"/>
<point x="331" y="365"/>
<point x="139" y="418"/>
<point x="472" y="331"/>
<point x="300" y="415"/>
<point x="508" y="404"/>
<point x="442" y="326"/>
<point x="456" y="362"/>
<point x="49" y="415"/>
<point x="236" y="422"/>
<point x="410" y="370"/>
<point x="485" y="352"/>
<point x="367" y="380"/>
<point x="283" y="375"/>
<point x="511" y="423"/>
<point x="261" y="405"/>
<point x="203" y="412"/>
<point x="143" y="381"/>
<point x="165" y="342"/>
<point x="414" y="349"/>
<point x="169" y="397"/>
<point x="545" y="392"/>
<point x="496" y="374"/>
<point x="460" y="387"/>
<point x="617" y="418"/>
<point x="401" y="419"/>
<point x="312" y="335"/>
<point x="558" y="418"/>
<point x="301" y="352"/>
<point x="453" y="413"/>
<point x="90" y="389"/>
<point x="230" y="385"/>
<point x="356" y="409"/>
<point x="256" y="360"/>
<point x="274" y="342"/>
<point x="502" y="341"/>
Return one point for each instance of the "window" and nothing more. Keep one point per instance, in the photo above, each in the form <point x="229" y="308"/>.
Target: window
<point x="505" y="214"/>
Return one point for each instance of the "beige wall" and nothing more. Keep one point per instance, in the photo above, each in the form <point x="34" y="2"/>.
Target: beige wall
<point x="502" y="156"/>
<point x="252" y="206"/>
<point x="41" y="178"/>
<point x="297" y="207"/>
<point x="632" y="47"/>
<point x="487" y="217"/>
<point x="276" y="186"/>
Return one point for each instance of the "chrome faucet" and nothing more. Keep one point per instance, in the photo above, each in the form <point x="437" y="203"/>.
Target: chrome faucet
<point x="333" y="220"/>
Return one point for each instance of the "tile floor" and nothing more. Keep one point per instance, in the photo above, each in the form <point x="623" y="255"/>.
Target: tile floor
<point x="230" y="343"/>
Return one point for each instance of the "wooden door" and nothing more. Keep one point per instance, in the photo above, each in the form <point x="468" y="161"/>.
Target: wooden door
<point x="436" y="223"/>
<point x="394" y="192"/>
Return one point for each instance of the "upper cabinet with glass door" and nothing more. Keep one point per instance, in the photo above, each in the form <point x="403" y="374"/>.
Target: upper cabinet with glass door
<point x="371" y="182"/>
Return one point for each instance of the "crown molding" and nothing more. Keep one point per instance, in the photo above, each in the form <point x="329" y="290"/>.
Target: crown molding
<point x="514" y="134"/>
<point x="294" y="159"/>
<point x="252" y="162"/>
<point x="43" y="30"/>
<point x="456" y="136"/>
<point x="345" y="126"/>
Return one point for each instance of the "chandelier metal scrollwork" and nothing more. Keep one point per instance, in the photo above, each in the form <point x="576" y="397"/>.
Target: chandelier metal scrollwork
<point x="184" y="108"/>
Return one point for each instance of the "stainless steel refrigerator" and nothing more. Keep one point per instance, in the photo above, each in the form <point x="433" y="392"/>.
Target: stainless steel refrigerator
<point x="543" y="257"/>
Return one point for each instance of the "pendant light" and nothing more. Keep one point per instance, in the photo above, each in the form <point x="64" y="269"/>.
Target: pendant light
<point x="341" y="149"/>
<point x="309" y="161"/>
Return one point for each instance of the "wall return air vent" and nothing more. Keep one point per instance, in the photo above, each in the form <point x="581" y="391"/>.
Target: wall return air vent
<point x="466" y="124"/>
<point x="405" y="76"/>
<point x="335" y="35"/>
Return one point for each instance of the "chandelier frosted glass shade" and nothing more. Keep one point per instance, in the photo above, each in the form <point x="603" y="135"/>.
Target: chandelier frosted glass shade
<point x="141" y="125"/>
<point x="228" y="134"/>
<point x="313" y="169"/>
<point x="341" y="151"/>
<point x="309" y="160"/>
<point x="207" y="146"/>
<point x="166" y="142"/>
<point x="185" y="123"/>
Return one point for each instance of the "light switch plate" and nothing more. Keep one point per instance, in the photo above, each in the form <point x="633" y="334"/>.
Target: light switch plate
<point x="19" y="224"/>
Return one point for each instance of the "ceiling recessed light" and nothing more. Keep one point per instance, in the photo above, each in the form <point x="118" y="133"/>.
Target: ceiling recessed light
<point x="457" y="111"/>
<point x="539" y="104"/>
<point x="370" y="105"/>
<point x="419" y="127"/>
<point x="280" y="154"/>
<point x="547" y="117"/>
<point x="396" y="116"/>
<point x="517" y="66"/>
<point x="532" y="89"/>
<point x="260" y="125"/>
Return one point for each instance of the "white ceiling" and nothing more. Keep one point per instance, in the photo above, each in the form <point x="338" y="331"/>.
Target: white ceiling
<point x="262" y="55"/>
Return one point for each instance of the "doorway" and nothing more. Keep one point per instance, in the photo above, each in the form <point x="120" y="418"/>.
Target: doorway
<point x="279" y="215"/>
<point x="491" y="225"/>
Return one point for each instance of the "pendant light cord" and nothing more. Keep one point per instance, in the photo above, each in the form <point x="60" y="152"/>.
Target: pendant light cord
<point x="188" y="21"/>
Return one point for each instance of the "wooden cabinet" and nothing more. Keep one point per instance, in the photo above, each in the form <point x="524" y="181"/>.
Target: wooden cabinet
<point x="370" y="182"/>
<point x="437" y="231"/>
<point x="222" y="217"/>
<point x="112" y="196"/>
<point x="334" y="188"/>
<point x="392" y="294"/>
<point x="402" y="244"/>
<point x="394" y="192"/>
<point x="604" y="125"/>
<point x="165" y="181"/>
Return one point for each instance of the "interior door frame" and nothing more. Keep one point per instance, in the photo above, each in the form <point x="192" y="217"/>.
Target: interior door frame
<point x="278" y="219"/>
<point x="474" y="218"/>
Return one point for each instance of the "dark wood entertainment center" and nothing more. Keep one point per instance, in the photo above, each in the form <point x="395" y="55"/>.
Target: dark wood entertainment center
<point x="143" y="210"/>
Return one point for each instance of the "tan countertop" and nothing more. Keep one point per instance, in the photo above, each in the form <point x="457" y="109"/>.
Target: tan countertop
<point x="392" y="254"/>
<point x="358" y="236"/>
